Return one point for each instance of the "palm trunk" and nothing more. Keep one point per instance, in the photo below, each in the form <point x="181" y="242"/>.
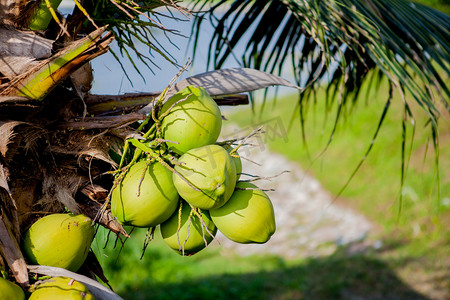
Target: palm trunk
<point x="47" y="161"/>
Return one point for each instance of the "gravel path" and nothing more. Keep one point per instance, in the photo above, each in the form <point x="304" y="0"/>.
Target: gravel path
<point x="308" y="222"/>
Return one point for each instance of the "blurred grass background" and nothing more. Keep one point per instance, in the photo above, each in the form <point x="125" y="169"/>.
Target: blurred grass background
<point x="412" y="262"/>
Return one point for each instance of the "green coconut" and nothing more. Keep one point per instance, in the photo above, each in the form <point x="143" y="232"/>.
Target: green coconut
<point x="146" y="196"/>
<point x="10" y="290"/>
<point x="58" y="288"/>
<point x="247" y="217"/>
<point x="208" y="176"/>
<point x="197" y="239"/>
<point x="59" y="240"/>
<point x="236" y="160"/>
<point x="193" y="121"/>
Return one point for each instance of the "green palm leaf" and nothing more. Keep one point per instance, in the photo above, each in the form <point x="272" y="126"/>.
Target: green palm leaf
<point x="133" y="23"/>
<point x="406" y="41"/>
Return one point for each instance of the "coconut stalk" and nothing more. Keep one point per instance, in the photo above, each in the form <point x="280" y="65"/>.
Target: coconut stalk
<point x="43" y="78"/>
<point x="130" y="102"/>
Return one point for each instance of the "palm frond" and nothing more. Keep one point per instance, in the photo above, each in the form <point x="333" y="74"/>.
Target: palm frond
<point x="338" y="42"/>
<point x="133" y="23"/>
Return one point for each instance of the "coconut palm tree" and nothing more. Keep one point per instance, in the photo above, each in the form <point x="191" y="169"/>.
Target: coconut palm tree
<point x="60" y="146"/>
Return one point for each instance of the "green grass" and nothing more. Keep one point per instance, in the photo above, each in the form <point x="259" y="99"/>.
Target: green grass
<point x="161" y="270"/>
<point x="163" y="274"/>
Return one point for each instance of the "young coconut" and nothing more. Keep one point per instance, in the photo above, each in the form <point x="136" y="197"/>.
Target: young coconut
<point x="208" y="176"/>
<point x="236" y="160"/>
<point x="60" y="288"/>
<point x="146" y="196"/>
<point x="10" y="290"/>
<point x="59" y="240"/>
<point x="247" y="217"/>
<point x="194" y="120"/>
<point x="192" y="235"/>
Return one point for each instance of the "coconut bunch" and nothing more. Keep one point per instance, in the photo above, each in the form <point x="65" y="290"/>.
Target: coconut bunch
<point x="176" y="175"/>
<point x="71" y="161"/>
